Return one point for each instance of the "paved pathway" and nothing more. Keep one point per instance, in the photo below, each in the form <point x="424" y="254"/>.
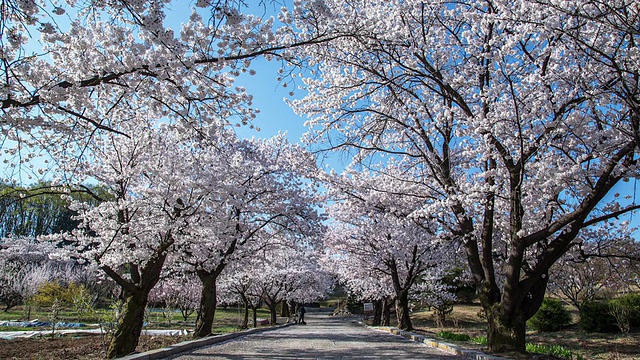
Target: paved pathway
<point x="322" y="338"/>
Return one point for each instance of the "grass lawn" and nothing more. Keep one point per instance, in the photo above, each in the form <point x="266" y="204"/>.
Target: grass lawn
<point x="226" y="319"/>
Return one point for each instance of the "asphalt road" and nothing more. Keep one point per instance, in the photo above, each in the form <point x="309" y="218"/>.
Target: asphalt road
<point x="323" y="337"/>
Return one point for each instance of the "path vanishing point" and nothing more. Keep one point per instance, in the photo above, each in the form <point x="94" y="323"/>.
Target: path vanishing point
<point x="323" y="337"/>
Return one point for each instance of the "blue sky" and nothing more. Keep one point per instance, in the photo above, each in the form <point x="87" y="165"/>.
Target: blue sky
<point x="268" y="95"/>
<point x="275" y="115"/>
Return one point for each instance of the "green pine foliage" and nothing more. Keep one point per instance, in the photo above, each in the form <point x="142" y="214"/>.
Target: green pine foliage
<point x="596" y="317"/>
<point x="552" y="316"/>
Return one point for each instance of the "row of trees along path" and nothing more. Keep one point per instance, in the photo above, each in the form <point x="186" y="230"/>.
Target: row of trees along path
<point x="323" y="337"/>
<point x="503" y="130"/>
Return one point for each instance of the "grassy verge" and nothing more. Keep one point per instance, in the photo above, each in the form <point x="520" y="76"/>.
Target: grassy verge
<point x="226" y="319"/>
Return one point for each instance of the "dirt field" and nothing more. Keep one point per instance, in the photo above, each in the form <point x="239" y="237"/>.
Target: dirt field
<point x="85" y="347"/>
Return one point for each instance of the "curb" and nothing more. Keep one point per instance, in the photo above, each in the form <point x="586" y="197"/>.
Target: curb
<point x="193" y="344"/>
<point x="444" y="346"/>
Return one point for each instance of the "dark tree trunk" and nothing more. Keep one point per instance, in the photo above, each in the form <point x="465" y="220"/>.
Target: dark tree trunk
<point x="505" y="333"/>
<point x="135" y="293"/>
<point x="285" y="309"/>
<point x="125" y="339"/>
<point x="507" y="318"/>
<point x="386" y="311"/>
<point x="273" y="312"/>
<point x="245" y="319"/>
<point x="208" y="302"/>
<point x="402" y="311"/>
<point x="402" y="286"/>
<point x="377" y="312"/>
<point x="255" y="316"/>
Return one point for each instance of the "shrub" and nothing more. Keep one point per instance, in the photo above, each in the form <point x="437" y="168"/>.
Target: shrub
<point x="552" y="316"/>
<point x="626" y="311"/>
<point x="53" y="293"/>
<point x="452" y="336"/>
<point x="634" y="302"/>
<point x="595" y="317"/>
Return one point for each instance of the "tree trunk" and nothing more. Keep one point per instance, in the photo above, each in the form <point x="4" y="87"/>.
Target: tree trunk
<point x="377" y="312"/>
<point x="273" y="312"/>
<point x="402" y="311"/>
<point x="285" y="309"/>
<point x="245" y="319"/>
<point x="505" y="333"/>
<point x="255" y="316"/>
<point x="125" y="339"/>
<point x="386" y="311"/>
<point x="208" y="302"/>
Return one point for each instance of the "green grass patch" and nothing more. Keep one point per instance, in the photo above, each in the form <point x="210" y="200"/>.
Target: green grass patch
<point x="481" y="340"/>
<point x="224" y="329"/>
<point x="555" y="350"/>
<point x="226" y="319"/>
<point x="453" y="336"/>
<point x="43" y="314"/>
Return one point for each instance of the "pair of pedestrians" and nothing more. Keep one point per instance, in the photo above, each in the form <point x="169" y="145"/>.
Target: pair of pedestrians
<point x="300" y="319"/>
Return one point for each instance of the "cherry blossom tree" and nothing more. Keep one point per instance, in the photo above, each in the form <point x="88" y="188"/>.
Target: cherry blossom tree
<point x="363" y="284"/>
<point x="289" y="273"/>
<point x="178" y="292"/>
<point x="130" y="234"/>
<point x="606" y="34"/>
<point x="431" y="291"/>
<point x="605" y="263"/>
<point x="66" y="63"/>
<point x="24" y="267"/>
<point x="308" y="282"/>
<point x="265" y="194"/>
<point x="70" y="65"/>
<point x="375" y="229"/>
<point x="514" y="124"/>
<point x="238" y="280"/>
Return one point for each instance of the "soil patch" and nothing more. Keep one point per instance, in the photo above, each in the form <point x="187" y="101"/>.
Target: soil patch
<point x="77" y="347"/>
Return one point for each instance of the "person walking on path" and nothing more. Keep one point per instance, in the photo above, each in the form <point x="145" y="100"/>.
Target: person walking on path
<point x="301" y="315"/>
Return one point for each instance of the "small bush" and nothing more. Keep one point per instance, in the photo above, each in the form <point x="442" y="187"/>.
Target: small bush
<point x="452" y="336"/>
<point x="53" y="292"/>
<point x="482" y="340"/>
<point x="596" y="317"/>
<point x="626" y="311"/>
<point x="552" y="316"/>
<point x="633" y="301"/>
